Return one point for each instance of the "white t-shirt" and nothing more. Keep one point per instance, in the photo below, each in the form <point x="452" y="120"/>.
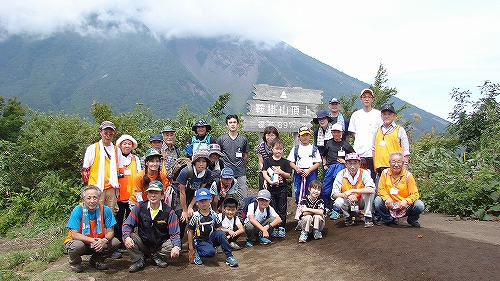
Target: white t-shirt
<point x="304" y="159"/>
<point x="259" y="216"/>
<point x="228" y="223"/>
<point x="365" y="125"/>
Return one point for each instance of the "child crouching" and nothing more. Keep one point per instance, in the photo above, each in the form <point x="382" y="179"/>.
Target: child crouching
<point x="261" y="219"/>
<point x="231" y="224"/>
<point x="204" y="232"/>
<point x="312" y="219"/>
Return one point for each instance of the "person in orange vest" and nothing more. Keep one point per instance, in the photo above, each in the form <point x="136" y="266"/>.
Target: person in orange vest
<point x="90" y="231"/>
<point x="354" y="190"/>
<point x="398" y="194"/>
<point x="128" y="166"/>
<point x="151" y="172"/>
<point x="99" y="166"/>
<point x="389" y="138"/>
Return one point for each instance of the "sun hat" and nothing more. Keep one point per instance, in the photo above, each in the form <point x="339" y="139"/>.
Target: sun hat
<point x="152" y="152"/>
<point x="201" y="123"/>
<point x="352" y="156"/>
<point x="199" y="154"/>
<point x="320" y="115"/>
<point x="126" y="137"/>
<point x="107" y="124"/>
<point x="396" y="211"/>
<point x="214" y="148"/>
<point x="168" y="128"/>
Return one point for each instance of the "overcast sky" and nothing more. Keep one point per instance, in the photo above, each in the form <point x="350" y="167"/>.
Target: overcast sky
<point x="427" y="47"/>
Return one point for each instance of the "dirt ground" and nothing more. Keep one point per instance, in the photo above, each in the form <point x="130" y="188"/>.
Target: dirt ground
<point x="443" y="249"/>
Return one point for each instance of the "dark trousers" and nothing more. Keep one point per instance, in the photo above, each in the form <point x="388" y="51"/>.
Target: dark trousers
<point x="121" y="215"/>
<point x="279" y="201"/>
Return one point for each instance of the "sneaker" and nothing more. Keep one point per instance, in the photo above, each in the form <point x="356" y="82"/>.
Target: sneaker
<point x="275" y="232"/>
<point x="197" y="260"/>
<point x="413" y="223"/>
<point x="234" y="246"/>
<point x="317" y="234"/>
<point x="334" y="215"/>
<point x="264" y="240"/>
<point x="136" y="266"/>
<point x="303" y="237"/>
<point x="98" y="265"/>
<point x="249" y="244"/>
<point x="116" y="255"/>
<point x="159" y="261"/>
<point x="77" y="268"/>
<point x="218" y="249"/>
<point x="368" y="223"/>
<point x="231" y="261"/>
<point x="298" y="228"/>
<point x="122" y="250"/>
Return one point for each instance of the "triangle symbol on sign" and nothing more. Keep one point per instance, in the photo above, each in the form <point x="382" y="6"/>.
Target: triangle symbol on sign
<point x="283" y="95"/>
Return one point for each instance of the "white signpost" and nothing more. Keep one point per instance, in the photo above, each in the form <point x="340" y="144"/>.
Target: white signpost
<point x="282" y="107"/>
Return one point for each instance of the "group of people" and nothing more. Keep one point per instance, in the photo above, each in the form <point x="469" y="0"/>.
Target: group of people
<point x="144" y="206"/>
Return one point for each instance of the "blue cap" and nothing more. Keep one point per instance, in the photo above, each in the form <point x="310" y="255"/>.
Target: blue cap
<point x="203" y="194"/>
<point x="227" y="173"/>
<point x="334" y="100"/>
<point x="155" y="137"/>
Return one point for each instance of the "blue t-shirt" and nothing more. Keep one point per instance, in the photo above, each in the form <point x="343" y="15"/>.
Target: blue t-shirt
<point x="76" y="217"/>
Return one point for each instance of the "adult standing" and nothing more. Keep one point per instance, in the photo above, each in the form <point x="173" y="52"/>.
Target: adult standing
<point x="155" y="141"/>
<point x="338" y="117"/>
<point x="201" y="139"/>
<point x="128" y="166"/>
<point x="389" y="138"/>
<point x="90" y="231"/>
<point x="99" y="166"/>
<point x="398" y="194"/>
<point x="323" y="133"/>
<point x="264" y="150"/>
<point x="169" y="150"/>
<point x="363" y="127"/>
<point x="235" y="148"/>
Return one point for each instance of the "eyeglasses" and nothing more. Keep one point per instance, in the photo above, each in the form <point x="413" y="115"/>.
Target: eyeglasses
<point x="396" y="162"/>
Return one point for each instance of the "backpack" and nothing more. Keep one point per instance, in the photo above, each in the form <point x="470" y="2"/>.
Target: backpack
<point x="250" y="200"/>
<point x="177" y="166"/>
<point x="296" y="152"/>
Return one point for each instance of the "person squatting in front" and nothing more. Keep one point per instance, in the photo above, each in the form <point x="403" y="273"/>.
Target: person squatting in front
<point x="353" y="190"/>
<point x="261" y="219"/>
<point x="312" y="209"/>
<point x="204" y="232"/>
<point x="90" y="231"/>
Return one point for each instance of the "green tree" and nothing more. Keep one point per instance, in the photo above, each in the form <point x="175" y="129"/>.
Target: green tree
<point x="11" y="119"/>
<point x="217" y="110"/>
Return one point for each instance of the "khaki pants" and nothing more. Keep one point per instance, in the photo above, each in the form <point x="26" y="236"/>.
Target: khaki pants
<point x="316" y="221"/>
<point x="109" y="198"/>
<point x="76" y="249"/>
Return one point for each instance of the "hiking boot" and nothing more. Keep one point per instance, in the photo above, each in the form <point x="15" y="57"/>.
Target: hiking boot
<point x="77" y="268"/>
<point x="159" y="261"/>
<point x="264" y="240"/>
<point x="317" y="234"/>
<point x="298" y="228"/>
<point x="413" y="223"/>
<point x="231" y="261"/>
<point x="334" y="215"/>
<point x="368" y="223"/>
<point x="98" y="265"/>
<point x="197" y="259"/>
<point x="234" y="246"/>
<point x="116" y="255"/>
<point x="249" y="244"/>
<point x="303" y="237"/>
<point x="349" y="222"/>
<point x="218" y="249"/>
<point x="136" y="266"/>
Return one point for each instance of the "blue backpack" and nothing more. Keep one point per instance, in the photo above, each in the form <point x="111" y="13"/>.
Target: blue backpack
<point x="249" y="201"/>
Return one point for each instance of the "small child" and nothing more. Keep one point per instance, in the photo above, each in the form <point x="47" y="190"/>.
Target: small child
<point x="312" y="219"/>
<point x="231" y="224"/>
<point x="261" y="219"/>
<point x="224" y="187"/>
<point x="204" y="232"/>
<point x="276" y="170"/>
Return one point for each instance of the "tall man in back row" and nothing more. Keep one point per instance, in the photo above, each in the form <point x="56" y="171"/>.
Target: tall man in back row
<point x="235" y="148"/>
<point x="363" y="126"/>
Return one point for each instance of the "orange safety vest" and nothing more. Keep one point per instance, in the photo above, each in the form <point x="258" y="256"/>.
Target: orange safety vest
<point x="94" y="169"/>
<point x="346" y="185"/>
<point x="137" y="185"/>
<point x="92" y="223"/>
<point x="381" y="153"/>
<point x="127" y="182"/>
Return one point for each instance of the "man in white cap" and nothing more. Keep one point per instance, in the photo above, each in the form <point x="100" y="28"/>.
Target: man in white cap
<point x="99" y="166"/>
<point x="353" y="190"/>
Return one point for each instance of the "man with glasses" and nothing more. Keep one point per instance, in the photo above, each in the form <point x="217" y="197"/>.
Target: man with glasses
<point x="363" y="127"/>
<point x="398" y="194"/>
<point x="353" y="191"/>
<point x="99" y="166"/>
